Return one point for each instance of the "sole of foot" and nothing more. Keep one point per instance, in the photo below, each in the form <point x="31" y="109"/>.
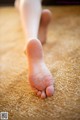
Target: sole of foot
<point x="44" y="23"/>
<point x="39" y="76"/>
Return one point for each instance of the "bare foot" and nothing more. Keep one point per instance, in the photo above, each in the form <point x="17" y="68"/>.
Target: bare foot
<point x="44" y="22"/>
<point x="39" y="76"/>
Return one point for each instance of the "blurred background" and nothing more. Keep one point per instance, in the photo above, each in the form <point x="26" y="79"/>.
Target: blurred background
<point x="46" y="2"/>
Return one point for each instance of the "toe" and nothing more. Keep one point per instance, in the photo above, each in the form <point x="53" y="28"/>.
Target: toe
<point x="39" y="93"/>
<point x="49" y="90"/>
<point x="43" y="95"/>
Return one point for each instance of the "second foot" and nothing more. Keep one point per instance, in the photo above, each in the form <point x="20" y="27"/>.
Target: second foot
<point x="40" y="77"/>
<point x="44" y="22"/>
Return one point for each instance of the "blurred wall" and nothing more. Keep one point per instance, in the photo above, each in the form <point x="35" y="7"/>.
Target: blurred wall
<point x="61" y="2"/>
<point x="45" y="2"/>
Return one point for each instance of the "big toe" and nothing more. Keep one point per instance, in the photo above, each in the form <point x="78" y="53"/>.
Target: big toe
<point x="49" y="90"/>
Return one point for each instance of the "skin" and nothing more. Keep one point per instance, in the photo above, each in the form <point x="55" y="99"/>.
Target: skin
<point x="40" y="78"/>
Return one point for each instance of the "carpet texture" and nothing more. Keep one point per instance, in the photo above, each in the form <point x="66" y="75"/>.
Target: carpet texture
<point x="62" y="56"/>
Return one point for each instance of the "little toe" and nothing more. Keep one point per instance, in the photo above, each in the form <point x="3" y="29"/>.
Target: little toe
<point x="39" y="93"/>
<point x="49" y="90"/>
<point x="43" y="95"/>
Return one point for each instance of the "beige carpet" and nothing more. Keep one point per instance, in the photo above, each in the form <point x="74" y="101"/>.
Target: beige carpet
<point x="62" y="56"/>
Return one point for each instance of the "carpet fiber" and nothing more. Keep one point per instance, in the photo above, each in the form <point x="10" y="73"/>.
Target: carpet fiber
<point x="62" y="56"/>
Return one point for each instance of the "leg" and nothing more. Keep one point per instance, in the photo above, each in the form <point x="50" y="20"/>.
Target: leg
<point x="44" y="22"/>
<point x="39" y="76"/>
<point x="30" y="11"/>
